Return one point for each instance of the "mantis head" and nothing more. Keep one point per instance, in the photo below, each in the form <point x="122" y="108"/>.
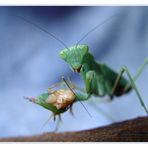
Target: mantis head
<point x="74" y="56"/>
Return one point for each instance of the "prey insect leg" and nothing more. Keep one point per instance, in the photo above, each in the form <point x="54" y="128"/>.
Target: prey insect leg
<point x="59" y="120"/>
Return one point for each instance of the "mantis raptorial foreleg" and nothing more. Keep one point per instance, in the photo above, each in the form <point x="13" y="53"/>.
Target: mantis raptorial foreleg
<point x="58" y="84"/>
<point x="89" y="77"/>
<point x="132" y="83"/>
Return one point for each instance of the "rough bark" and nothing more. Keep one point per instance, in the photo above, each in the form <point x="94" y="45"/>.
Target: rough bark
<point x="135" y="130"/>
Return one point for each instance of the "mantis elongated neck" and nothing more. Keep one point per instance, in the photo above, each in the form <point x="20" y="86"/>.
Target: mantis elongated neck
<point x="89" y="67"/>
<point x="89" y="63"/>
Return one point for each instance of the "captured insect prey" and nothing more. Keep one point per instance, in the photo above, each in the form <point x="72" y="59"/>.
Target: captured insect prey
<point x="58" y="101"/>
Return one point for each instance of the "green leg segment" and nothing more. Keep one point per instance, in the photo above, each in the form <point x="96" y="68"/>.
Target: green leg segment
<point x="132" y="83"/>
<point x="137" y="73"/>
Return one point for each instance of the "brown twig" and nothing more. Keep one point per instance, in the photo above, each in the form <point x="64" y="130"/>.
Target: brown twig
<point x="135" y="130"/>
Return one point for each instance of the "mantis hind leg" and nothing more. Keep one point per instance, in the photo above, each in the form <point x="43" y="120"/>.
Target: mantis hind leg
<point x="132" y="83"/>
<point x="137" y="74"/>
<point x="128" y="86"/>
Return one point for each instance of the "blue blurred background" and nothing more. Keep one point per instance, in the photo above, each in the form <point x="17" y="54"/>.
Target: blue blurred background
<point x="29" y="63"/>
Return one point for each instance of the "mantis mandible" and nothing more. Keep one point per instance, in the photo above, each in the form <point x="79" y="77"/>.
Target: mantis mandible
<point x="99" y="79"/>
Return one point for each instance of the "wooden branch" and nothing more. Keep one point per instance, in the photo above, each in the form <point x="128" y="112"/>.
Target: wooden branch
<point x="135" y="130"/>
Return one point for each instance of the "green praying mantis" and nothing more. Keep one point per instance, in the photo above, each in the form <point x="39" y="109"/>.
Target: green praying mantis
<point x="99" y="79"/>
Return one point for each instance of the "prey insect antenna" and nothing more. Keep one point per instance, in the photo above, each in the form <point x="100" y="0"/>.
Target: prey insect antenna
<point x="93" y="29"/>
<point x="42" y="29"/>
<point x="31" y="99"/>
<point x="76" y="96"/>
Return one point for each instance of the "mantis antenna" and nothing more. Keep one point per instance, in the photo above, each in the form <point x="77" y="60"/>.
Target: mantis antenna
<point x="93" y="29"/>
<point x="44" y="30"/>
<point x="76" y="96"/>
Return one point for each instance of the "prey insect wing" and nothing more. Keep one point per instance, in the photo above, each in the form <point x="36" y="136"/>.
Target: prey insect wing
<point x="60" y="100"/>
